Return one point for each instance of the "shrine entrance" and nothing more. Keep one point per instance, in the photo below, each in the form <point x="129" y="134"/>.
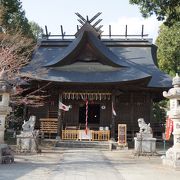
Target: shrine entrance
<point x="89" y="118"/>
<point x="93" y="114"/>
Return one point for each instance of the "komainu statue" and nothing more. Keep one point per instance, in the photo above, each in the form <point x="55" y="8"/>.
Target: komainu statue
<point x="28" y="126"/>
<point x="27" y="141"/>
<point x="144" y="141"/>
<point x="144" y="128"/>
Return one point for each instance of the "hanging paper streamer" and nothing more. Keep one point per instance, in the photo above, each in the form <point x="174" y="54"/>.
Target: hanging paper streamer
<point x="113" y="111"/>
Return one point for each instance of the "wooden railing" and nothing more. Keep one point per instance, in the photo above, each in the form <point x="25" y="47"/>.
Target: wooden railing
<point x="94" y="135"/>
<point x="70" y="134"/>
<point x="103" y="135"/>
<point x="49" y="126"/>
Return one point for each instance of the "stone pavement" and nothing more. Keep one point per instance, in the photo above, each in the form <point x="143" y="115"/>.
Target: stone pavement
<point x="87" y="164"/>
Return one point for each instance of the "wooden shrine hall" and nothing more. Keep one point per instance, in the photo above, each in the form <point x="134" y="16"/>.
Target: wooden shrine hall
<point x="110" y="72"/>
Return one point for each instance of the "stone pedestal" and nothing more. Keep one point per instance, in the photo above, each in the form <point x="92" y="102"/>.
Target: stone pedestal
<point x="172" y="157"/>
<point x="6" y="154"/>
<point x="27" y="142"/>
<point x="144" y="144"/>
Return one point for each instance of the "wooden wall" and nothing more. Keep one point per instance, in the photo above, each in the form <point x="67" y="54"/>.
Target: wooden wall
<point x="129" y="107"/>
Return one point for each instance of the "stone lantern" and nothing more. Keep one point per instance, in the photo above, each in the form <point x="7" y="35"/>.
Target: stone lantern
<point x="172" y="157"/>
<point x="5" y="91"/>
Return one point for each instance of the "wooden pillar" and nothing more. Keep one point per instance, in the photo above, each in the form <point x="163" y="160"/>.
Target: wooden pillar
<point x="25" y="110"/>
<point x="151" y="109"/>
<point x="113" y="119"/>
<point x="59" y="130"/>
<point x="132" y="114"/>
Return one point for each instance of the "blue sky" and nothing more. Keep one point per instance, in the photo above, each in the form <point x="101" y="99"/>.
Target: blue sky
<point x="116" y="13"/>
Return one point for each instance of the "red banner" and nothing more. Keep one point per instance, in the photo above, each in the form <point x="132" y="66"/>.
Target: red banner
<point x="169" y="128"/>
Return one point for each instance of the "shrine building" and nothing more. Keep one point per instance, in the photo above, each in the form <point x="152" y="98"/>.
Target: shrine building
<point x="95" y="75"/>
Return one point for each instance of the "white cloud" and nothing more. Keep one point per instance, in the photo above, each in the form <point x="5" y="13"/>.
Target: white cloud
<point x="134" y="24"/>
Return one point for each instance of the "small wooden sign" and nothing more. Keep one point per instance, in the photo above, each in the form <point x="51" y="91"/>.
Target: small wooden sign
<point x="122" y="134"/>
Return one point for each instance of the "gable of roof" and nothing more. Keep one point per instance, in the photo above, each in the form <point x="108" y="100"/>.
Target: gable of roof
<point x="86" y="38"/>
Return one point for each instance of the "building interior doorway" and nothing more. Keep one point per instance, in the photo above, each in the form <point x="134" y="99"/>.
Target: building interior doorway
<point x="93" y="114"/>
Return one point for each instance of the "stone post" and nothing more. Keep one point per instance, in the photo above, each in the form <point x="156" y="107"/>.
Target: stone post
<point x="172" y="157"/>
<point x="5" y="90"/>
<point x="4" y="107"/>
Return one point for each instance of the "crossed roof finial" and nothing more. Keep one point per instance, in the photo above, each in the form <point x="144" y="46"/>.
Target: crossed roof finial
<point x="83" y="20"/>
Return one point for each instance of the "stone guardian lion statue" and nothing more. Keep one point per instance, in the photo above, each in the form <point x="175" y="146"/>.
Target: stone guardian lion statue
<point x="144" y="128"/>
<point x="28" y="126"/>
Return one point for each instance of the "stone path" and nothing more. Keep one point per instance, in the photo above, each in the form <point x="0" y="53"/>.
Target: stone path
<point x="87" y="164"/>
<point x="30" y="167"/>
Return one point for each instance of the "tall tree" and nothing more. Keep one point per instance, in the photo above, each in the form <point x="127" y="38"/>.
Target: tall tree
<point x="37" y="31"/>
<point x="168" y="53"/>
<point x="16" y="46"/>
<point x="168" y="10"/>
<point x="12" y="18"/>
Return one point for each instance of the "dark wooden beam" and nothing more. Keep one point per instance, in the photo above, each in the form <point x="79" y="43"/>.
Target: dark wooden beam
<point x="113" y="118"/>
<point x="110" y="31"/>
<point x="82" y="18"/>
<point x="98" y="29"/>
<point x="97" y="22"/>
<point x="77" y="28"/>
<point x="59" y="130"/>
<point x="94" y="17"/>
<point x="132" y="113"/>
<point x="62" y="32"/>
<point x="126" y="31"/>
<point x="81" y="22"/>
<point x="46" y="29"/>
<point x="142" y="32"/>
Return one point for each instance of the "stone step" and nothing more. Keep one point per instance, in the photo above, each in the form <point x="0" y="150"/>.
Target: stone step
<point x="83" y="144"/>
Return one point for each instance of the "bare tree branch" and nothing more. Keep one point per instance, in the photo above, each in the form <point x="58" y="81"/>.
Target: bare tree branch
<point x="15" y="52"/>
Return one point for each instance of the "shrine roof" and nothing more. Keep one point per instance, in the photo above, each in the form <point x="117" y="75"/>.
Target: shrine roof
<point x="90" y="59"/>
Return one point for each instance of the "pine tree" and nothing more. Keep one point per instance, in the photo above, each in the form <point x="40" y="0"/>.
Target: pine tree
<point x="12" y="18"/>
